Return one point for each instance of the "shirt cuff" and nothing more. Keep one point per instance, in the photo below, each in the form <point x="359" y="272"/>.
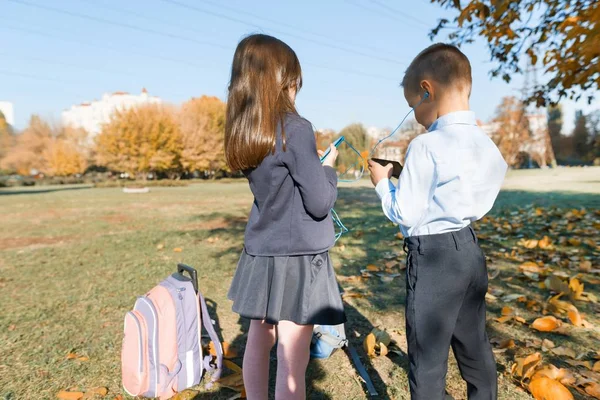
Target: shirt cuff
<point x="384" y="187"/>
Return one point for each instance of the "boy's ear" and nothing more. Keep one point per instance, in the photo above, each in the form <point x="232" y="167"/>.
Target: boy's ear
<point x="428" y="91"/>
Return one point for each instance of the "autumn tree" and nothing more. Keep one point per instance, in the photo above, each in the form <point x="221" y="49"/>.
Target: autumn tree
<point x="6" y="136"/>
<point x="140" y="140"/>
<point x="562" y="36"/>
<point x="202" y="125"/>
<point x="513" y="129"/>
<point x="27" y="154"/>
<point x="324" y="138"/>
<point x="356" y="135"/>
<point x="66" y="152"/>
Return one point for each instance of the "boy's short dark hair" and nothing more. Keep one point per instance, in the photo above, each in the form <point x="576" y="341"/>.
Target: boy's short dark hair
<point x="443" y="63"/>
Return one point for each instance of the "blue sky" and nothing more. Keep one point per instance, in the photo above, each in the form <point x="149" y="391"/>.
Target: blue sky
<point x="353" y="53"/>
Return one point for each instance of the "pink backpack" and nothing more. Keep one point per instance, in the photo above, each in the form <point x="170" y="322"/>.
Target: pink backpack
<point x="162" y="349"/>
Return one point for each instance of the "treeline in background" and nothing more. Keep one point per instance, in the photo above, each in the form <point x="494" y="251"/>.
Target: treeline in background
<point x="183" y="142"/>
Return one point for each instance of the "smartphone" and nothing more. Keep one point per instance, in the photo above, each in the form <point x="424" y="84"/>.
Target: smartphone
<point x="336" y="144"/>
<point x="397" y="166"/>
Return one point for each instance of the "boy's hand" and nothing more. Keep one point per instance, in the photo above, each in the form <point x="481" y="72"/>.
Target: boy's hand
<point x="379" y="172"/>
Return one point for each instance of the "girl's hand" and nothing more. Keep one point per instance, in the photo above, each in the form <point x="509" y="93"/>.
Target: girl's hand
<point x="331" y="157"/>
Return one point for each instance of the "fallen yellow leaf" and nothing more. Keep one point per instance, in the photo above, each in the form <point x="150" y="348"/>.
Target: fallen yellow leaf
<point x="575" y="317"/>
<point x="506" y="310"/>
<point x="544" y="388"/>
<point x="593" y="389"/>
<point x="372" y="268"/>
<point x="562" y="375"/>
<point x="369" y="344"/>
<point x="545" y="243"/>
<point x="65" y="395"/>
<point x="177" y="249"/>
<point x="504" y="319"/>
<point x="529" y="243"/>
<point x="232" y="366"/>
<point x="228" y="351"/>
<point x="576" y="288"/>
<point x="524" y="367"/>
<point x="383" y="350"/>
<point x="546" y="324"/>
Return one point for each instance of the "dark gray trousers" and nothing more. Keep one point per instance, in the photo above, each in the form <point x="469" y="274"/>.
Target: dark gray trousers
<point x="446" y="285"/>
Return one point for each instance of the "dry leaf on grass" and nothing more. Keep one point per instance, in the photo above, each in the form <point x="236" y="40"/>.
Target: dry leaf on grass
<point x="524" y="367"/>
<point x="506" y="310"/>
<point x="546" y="324"/>
<point x="593" y="389"/>
<point x="575" y="289"/>
<point x="348" y="295"/>
<point x="177" y="249"/>
<point x="579" y="363"/>
<point x="234" y="381"/>
<point x="531" y="266"/>
<point x="547" y="344"/>
<point x="544" y="388"/>
<point x="564" y="351"/>
<point x="545" y="243"/>
<point x="562" y="375"/>
<point x="372" y="268"/>
<point x="67" y="395"/>
<point x="376" y="343"/>
<point x="528" y="243"/>
<point x="100" y="391"/>
<point x="503" y="344"/>
<point x="369" y="344"/>
<point x="232" y="366"/>
<point x="228" y="350"/>
<point x="187" y="394"/>
<point x="575" y="317"/>
<point x="585" y="266"/>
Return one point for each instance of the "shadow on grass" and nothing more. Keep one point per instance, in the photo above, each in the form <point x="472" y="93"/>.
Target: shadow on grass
<point x="371" y="237"/>
<point x="41" y="190"/>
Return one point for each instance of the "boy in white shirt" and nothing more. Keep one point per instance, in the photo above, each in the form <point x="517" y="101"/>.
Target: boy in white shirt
<point x="451" y="177"/>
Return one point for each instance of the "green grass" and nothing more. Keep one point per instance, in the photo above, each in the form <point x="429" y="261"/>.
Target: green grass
<point x="72" y="260"/>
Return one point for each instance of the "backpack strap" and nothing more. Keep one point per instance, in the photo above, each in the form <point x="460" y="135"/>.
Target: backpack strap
<point x="207" y="322"/>
<point x="337" y="342"/>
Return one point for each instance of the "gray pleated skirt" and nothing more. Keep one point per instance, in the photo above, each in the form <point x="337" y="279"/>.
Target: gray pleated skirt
<point x="301" y="289"/>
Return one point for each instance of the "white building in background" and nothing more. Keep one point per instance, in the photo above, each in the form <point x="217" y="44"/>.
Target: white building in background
<point x="91" y="116"/>
<point x="9" y="112"/>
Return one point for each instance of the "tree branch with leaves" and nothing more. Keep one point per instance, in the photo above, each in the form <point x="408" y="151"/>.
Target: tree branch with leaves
<point x="563" y="36"/>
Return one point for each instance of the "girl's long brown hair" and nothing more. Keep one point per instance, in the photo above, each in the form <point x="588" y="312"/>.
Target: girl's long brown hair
<point x="264" y="69"/>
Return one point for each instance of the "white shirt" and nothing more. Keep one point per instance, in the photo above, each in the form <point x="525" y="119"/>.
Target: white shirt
<point x="451" y="177"/>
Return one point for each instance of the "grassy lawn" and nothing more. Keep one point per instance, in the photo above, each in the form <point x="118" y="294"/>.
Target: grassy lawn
<point x="72" y="260"/>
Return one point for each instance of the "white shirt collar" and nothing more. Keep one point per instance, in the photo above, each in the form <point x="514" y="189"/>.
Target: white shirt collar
<point x="457" y="117"/>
